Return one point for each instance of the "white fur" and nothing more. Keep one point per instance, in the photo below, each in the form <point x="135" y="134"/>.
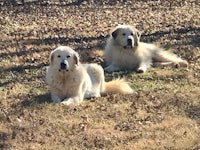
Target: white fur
<point x="77" y="81"/>
<point x="139" y="56"/>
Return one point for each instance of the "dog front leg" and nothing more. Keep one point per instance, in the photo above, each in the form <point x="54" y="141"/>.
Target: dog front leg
<point x="142" y="68"/>
<point x="72" y="100"/>
<point x="76" y="99"/>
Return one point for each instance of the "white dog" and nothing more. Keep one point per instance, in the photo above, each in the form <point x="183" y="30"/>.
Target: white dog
<point x="125" y="51"/>
<point x="71" y="82"/>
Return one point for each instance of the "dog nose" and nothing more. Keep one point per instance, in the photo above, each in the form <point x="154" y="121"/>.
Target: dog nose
<point x="62" y="65"/>
<point x="129" y="41"/>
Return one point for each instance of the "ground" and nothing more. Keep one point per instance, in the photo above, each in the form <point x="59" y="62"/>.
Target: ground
<point x="164" y="111"/>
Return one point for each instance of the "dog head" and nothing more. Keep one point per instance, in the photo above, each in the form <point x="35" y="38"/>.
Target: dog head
<point x="126" y="36"/>
<point x="64" y="58"/>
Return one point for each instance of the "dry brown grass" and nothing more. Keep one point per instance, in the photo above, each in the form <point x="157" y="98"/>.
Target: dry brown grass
<point x="164" y="111"/>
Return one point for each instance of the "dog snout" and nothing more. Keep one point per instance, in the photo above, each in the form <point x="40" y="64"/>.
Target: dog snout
<point x="62" y="65"/>
<point x="129" y="42"/>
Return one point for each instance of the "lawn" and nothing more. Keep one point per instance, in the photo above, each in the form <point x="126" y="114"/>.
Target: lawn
<point x="163" y="112"/>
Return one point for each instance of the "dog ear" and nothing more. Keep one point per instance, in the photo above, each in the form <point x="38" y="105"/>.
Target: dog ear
<point x="76" y="59"/>
<point x="137" y="37"/>
<point x="115" y="33"/>
<point x="51" y="58"/>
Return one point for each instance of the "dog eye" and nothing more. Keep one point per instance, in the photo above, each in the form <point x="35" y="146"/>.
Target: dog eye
<point x="58" y="56"/>
<point x="68" y="56"/>
<point x="124" y="34"/>
<point x="131" y="33"/>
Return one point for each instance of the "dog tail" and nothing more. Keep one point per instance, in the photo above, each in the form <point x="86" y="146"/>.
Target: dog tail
<point x="165" y="56"/>
<point x="117" y="86"/>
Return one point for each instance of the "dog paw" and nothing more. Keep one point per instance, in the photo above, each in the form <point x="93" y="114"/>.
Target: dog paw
<point x="65" y="102"/>
<point x="141" y="70"/>
<point x="184" y="63"/>
<point x="69" y="101"/>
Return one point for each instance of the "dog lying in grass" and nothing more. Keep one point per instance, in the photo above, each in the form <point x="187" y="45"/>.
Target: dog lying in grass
<point x="124" y="51"/>
<point x="71" y="81"/>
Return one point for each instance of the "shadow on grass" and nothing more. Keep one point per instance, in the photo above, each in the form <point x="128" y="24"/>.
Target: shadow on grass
<point x="37" y="100"/>
<point x="193" y="112"/>
<point x="17" y="71"/>
<point x="193" y="36"/>
<point x="56" y="40"/>
<point x="22" y="52"/>
<point x="3" y="138"/>
<point x="63" y="40"/>
<point x="21" y="69"/>
<point x="191" y="33"/>
<point x="60" y="3"/>
<point x="76" y="3"/>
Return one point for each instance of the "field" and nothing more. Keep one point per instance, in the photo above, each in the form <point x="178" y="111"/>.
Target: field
<point x="164" y="111"/>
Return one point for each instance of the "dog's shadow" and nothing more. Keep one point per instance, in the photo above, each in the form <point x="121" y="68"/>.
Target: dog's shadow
<point x="118" y="74"/>
<point x="37" y="100"/>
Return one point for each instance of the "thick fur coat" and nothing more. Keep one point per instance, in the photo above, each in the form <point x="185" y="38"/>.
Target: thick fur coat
<point x="124" y="51"/>
<point x="71" y="81"/>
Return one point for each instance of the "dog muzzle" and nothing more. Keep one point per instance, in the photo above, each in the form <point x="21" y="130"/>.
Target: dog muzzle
<point x="64" y="66"/>
<point x="130" y="41"/>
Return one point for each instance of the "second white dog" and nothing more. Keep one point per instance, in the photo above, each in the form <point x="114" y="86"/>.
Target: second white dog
<point x="124" y="51"/>
<point x="71" y="82"/>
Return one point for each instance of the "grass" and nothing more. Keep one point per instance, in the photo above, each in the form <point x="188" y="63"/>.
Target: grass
<point x="164" y="111"/>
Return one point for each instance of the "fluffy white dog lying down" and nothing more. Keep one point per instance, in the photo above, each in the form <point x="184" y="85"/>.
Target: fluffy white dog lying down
<point x="71" y="82"/>
<point x="124" y="51"/>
